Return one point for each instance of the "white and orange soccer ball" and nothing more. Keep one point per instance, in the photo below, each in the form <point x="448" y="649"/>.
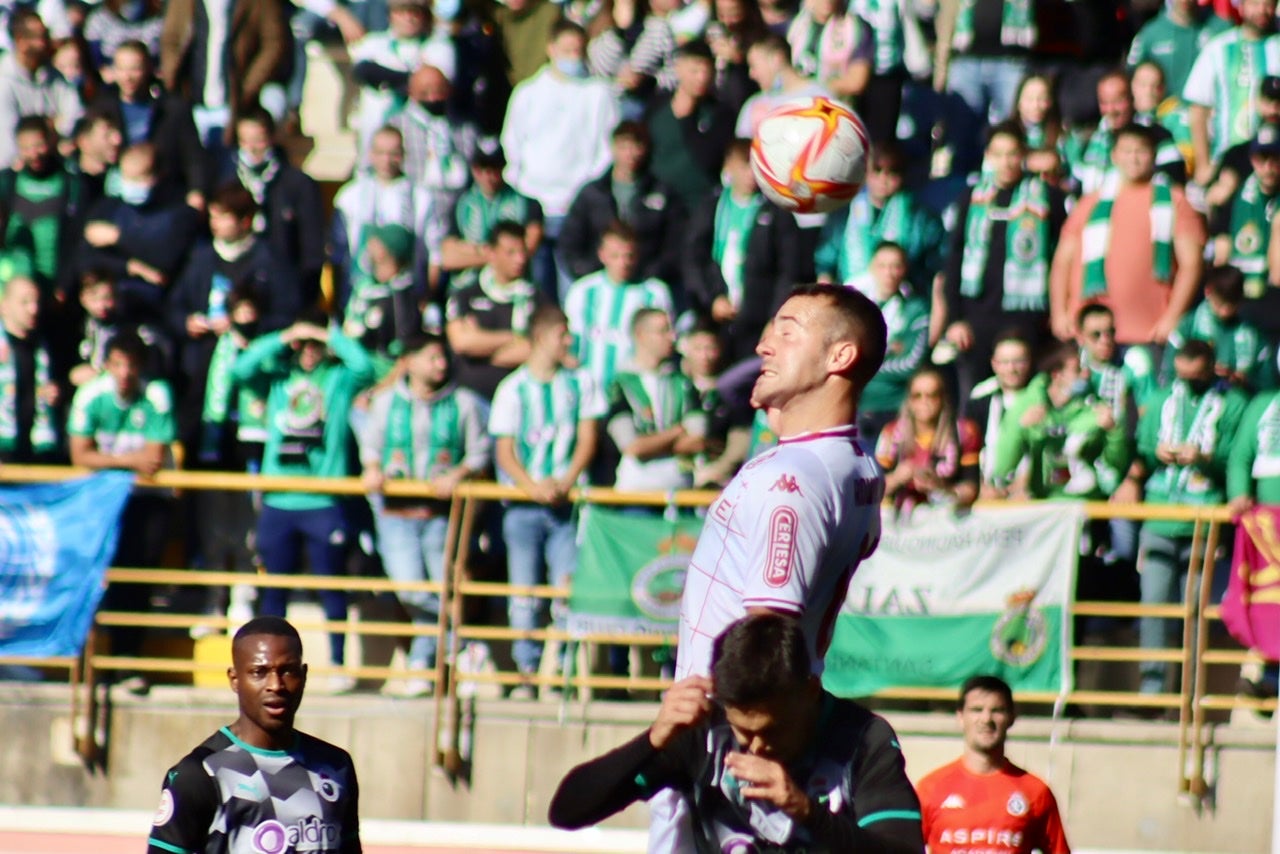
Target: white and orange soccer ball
<point x="810" y="155"/>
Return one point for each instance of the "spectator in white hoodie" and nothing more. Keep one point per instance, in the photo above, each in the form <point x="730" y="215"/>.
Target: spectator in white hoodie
<point x="556" y="138"/>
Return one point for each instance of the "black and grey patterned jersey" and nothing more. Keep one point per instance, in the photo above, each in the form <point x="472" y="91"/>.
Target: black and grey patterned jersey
<point x="853" y="772"/>
<point x="228" y="797"/>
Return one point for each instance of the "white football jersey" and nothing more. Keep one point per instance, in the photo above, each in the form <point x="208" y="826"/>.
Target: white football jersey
<point x="786" y="534"/>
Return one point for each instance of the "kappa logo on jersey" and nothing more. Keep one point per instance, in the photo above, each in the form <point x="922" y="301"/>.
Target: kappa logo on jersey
<point x="1017" y="805"/>
<point x="953" y="802"/>
<point x="786" y="483"/>
<point x="782" y="546"/>
<point x="309" y="834"/>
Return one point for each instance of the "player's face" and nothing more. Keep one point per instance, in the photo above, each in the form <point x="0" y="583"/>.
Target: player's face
<point x="773" y="729"/>
<point x="1098" y="337"/>
<point x="268" y="677"/>
<point x="985" y="721"/>
<point x="796" y="357"/>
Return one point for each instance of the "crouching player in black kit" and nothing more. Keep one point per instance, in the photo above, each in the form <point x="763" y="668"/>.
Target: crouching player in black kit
<point x="259" y="785"/>
<point x="768" y="760"/>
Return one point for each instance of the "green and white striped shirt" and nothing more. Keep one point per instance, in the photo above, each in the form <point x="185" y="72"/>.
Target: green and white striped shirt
<point x="1226" y="78"/>
<point x="600" y="314"/>
<point x="542" y="418"/>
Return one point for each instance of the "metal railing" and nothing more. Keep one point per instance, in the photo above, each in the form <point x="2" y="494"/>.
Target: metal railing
<point x="1191" y="660"/>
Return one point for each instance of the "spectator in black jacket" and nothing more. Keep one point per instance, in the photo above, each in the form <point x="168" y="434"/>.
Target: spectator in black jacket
<point x="628" y="192"/>
<point x="742" y="258"/>
<point x="691" y="128"/>
<point x="197" y="310"/>
<point x="290" y="213"/>
<point x="145" y="113"/>
<point x="141" y="235"/>
<point x="98" y="141"/>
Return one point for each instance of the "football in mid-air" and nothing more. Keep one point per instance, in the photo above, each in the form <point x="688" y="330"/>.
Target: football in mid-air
<point x="810" y="155"/>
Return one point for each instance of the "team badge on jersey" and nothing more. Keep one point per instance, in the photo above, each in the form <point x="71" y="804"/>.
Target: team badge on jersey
<point x="164" y="812"/>
<point x="1017" y="805"/>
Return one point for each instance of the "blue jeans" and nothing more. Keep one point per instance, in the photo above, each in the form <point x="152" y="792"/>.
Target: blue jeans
<point x="413" y="550"/>
<point x="541" y="545"/>
<point x="547" y="270"/>
<point x="281" y="536"/>
<point x="983" y="90"/>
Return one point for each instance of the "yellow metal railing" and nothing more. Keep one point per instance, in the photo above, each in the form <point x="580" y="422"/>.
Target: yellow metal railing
<point x="1190" y="659"/>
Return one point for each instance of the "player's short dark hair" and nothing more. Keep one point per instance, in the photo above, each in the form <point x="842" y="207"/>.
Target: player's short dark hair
<point x="1133" y="130"/>
<point x="545" y="316"/>
<point x="274" y="626"/>
<point x="758" y="658"/>
<point x="130" y="344"/>
<point x="989" y="684"/>
<point x="1090" y="309"/>
<point x="506" y="228"/>
<point x="1010" y="128"/>
<point x="621" y="231"/>
<point x="1196" y="349"/>
<point x="235" y="199"/>
<point x="563" y="26"/>
<point x="138" y="48"/>
<point x="1058" y="357"/>
<point x="1226" y="283"/>
<point x="857" y="318"/>
<point x="34" y="124"/>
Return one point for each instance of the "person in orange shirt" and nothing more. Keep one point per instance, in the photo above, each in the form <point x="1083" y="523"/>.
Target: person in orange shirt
<point x="982" y="803"/>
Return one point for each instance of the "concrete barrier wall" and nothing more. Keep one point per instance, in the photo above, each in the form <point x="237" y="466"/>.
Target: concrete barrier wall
<point x="1116" y="782"/>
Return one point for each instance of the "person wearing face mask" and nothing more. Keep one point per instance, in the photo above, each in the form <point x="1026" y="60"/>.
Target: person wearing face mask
<point x="115" y="22"/>
<point x="384" y="62"/>
<point x="1184" y="441"/>
<point x="1066" y="436"/>
<point x="198" y="310"/>
<point x="557" y="138"/>
<point x="140" y="234"/>
<point x="290" y="211"/>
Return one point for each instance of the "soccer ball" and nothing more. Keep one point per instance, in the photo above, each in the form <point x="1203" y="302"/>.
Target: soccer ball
<point x="810" y="155"/>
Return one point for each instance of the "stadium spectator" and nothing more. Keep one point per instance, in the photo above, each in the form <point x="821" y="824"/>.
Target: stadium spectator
<point x="629" y="192"/>
<point x="199" y="310"/>
<point x="141" y="235"/>
<point x="741" y="259"/>
<point x="1223" y="85"/>
<point x="527" y="26"/>
<point x="488" y="201"/>
<point x="487" y="324"/>
<point x="1241" y="225"/>
<point x="884" y="211"/>
<point x="1174" y="38"/>
<point x="225" y="67"/>
<point x="481" y="86"/>
<point x="124" y="420"/>
<point x="654" y="422"/>
<point x="1147" y="291"/>
<point x="544" y="424"/>
<point x="550" y="161"/>
<point x="423" y="428"/>
<point x="30" y="425"/>
<point x="384" y="62"/>
<point x="1065" y="437"/>
<point x="728" y="428"/>
<point x="751" y="722"/>
<point x="1154" y="107"/>
<point x="987" y="403"/>
<point x="1123" y="381"/>
<point x="143" y="112"/>
<point x="929" y="454"/>
<point x="1243" y="356"/>
<point x="1036" y="112"/>
<point x="114" y="23"/>
<point x="601" y="306"/>
<point x="1089" y="157"/>
<point x="983" y="789"/>
<point x="98" y="142"/>
<point x="832" y="46"/>
<point x="380" y="195"/>
<point x="30" y="86"/>
<point x="770" y="65"/>
<point x="290" y="213"/>
<point x="997" y="273"/>
<point x="1236" y="163"/>
<point x="735" y="26"/>
<point x="906" y="318"/>
<point x="314" y="374"/>
<point x="880" y="103"/>
<point x="97" y="293"/>
<point x="386" y="305"/>
<point x="1184" y="439"/>
<point x="630" y="43"/>
<point x="690" y="128"/>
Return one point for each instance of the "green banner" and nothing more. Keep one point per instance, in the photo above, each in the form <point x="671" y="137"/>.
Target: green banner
<point x="630" y="571"/>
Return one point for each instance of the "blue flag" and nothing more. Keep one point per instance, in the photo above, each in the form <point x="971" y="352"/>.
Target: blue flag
<point x="56" y="541"/>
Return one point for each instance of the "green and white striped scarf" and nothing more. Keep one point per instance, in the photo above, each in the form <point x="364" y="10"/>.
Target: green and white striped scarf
<point x="1096" y="239"/>
<point x="864" y="231"/>
<point x="1186" y="421"/>
<point x="1251" y="213"/>
<point x="1026" y="244"/>
<point x="888" y="41"/>
<point x="675" y="399"/>
<point x="732" y="229"/>
<point x="1266" y="463"/>
<point x="443" y="447"/>
<point x="1017" y="25"/>
<point x="44" y="437"/>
